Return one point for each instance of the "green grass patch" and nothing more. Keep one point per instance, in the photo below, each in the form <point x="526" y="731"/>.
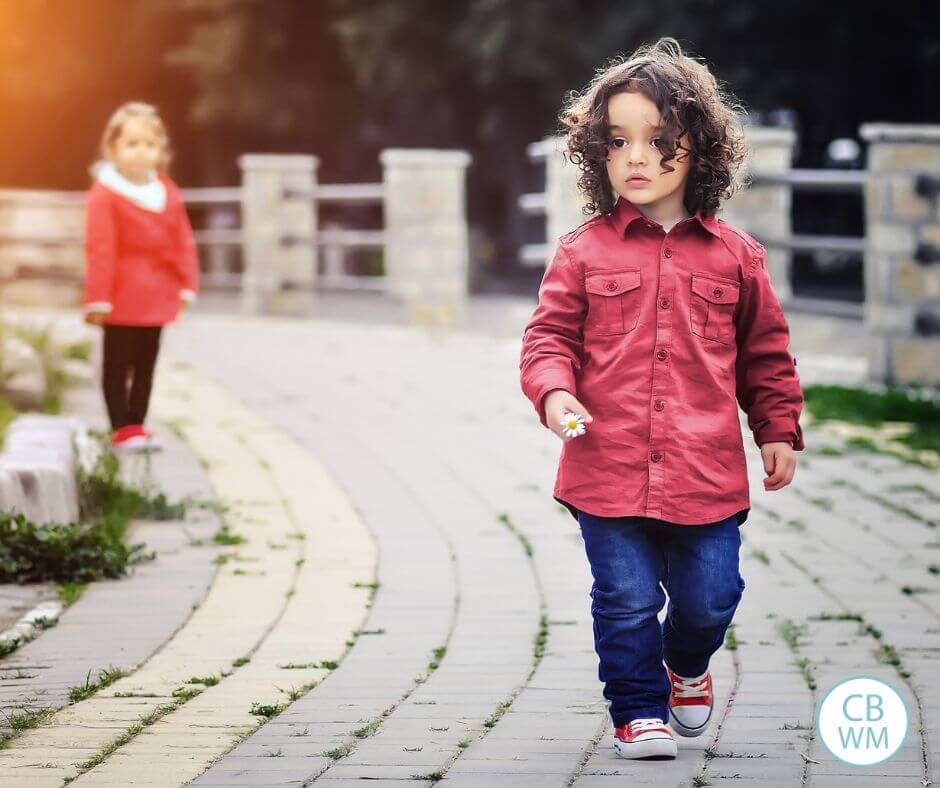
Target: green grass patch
<point x="837" y="617"/>
<point x="368" y="730"/>
<point x="90" y="687"/>
<point x="523" y="540"/>
<point x="206" y="681"/>
<point x="266" y="710"/>
<point x="24" y="719"/>
<point x="91" y="549"/>
<point x="731" y="639"/>
<point x="875" y="408"/>
<point x="9" y="645"/>
<point x="224" y="536"/>
<point x="501" y="709"/>
<point x="70" y="592"/>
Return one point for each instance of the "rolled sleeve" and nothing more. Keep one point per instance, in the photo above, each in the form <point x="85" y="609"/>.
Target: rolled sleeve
<point x="551" y="345"/>
<point x="767" y="383"/>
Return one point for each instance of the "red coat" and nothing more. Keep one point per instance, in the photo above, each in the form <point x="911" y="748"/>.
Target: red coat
<point x="662" y="336"/>
<point x="139" y="263"/>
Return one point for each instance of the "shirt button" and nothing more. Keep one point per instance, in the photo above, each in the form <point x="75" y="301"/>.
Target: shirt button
<point x="611" y="285"/>
<point x="717" y="292"/>
<point x="656" y="456"/>
<point x="664" y="303"/>
<point x="667" y="252"/>
<point x="659" y="405"/>
<point x="661" y="355"/>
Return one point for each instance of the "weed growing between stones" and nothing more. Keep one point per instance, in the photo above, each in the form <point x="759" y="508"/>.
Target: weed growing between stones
<point x="526" y="544"/>
<point x="124" y="738"/>
<point x="89" y="688"/>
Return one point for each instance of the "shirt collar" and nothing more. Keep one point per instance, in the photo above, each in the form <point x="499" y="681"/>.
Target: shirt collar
<point x="625" y="212"/>
<point x="150" y="195"/>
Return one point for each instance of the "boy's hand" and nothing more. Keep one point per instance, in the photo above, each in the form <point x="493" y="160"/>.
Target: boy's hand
<point x="556" y="403"/>
<point x="779" y="464"/>
<point x="96" y="318"/>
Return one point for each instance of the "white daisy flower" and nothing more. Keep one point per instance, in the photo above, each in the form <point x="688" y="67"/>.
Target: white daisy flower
<point x="573" y="424"/>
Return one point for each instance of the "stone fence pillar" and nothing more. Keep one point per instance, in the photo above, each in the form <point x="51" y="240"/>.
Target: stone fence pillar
<point x="764" y="210"/>
<point x="279" y="233"/>
<point x="427" y="244"/>
<point x="902" y="252"/>
<point x="563" y="202"/>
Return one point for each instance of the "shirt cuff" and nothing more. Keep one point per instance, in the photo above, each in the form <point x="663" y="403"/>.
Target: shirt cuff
<point x="781" y="431"/>
<point x="189" y="296"/>
<point x="545" y="384"/>
<point x="99" y="306"/>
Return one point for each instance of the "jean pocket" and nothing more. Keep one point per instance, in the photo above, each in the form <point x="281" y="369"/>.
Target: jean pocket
<point x="613" y="301"/>
<point x="712" y="306"/>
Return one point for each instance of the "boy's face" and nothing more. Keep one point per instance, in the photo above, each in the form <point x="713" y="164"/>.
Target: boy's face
<point x="137" y="149"/>
<point x="634" y="132"/>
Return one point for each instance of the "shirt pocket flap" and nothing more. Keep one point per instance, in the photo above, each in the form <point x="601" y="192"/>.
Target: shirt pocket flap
<point x="718" y="291"/>
<point x="612" y="283"/>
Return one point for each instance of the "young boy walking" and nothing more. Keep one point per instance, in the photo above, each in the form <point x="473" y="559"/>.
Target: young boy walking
<point x="655" y="321"/>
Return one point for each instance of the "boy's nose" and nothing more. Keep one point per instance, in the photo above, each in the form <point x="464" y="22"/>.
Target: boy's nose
<point x="635" y="155"/>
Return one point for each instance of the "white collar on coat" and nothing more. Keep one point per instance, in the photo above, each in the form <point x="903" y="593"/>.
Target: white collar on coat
<point x="150" y="195"/>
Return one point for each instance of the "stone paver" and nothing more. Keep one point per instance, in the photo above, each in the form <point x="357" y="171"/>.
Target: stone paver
<point x="356" y="389"/>
<point x="428" y="436"/>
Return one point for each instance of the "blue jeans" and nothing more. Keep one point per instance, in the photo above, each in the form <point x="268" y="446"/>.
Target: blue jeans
<point x="698" y="567"/>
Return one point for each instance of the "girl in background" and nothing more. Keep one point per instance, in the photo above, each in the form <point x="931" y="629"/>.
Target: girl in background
<point x="141" y="264"/>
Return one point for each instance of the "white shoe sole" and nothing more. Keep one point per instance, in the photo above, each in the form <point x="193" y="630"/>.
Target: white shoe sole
<point x="689" y="733"/>
<point x="661" y="747"/>
<point x="138" y="443"/>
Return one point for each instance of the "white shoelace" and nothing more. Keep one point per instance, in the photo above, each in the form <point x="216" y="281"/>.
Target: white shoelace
<point x="646" y="724"/>
<point x="691" y="688"/>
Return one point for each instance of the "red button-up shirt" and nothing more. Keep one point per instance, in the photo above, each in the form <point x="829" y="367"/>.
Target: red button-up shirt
<point x="661" y="336"/>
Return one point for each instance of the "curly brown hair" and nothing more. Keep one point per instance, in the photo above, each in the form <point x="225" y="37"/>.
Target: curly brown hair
<point x="689" y="99"/>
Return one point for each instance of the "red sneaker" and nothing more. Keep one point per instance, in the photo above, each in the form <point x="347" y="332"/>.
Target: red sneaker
<point x="135" y="437"/>
<point x="647" y="737"/>
<point x="690" y="703"/>
<point x="127" y="437"/>
<point x="151" y="441"/>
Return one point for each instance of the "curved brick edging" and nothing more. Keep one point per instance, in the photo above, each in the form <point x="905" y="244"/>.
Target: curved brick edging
<point x="122" y="622"/>
<point x="291" y="594"/>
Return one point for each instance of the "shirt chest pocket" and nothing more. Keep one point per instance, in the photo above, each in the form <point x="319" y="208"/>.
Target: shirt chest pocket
<point x="613" y="301"/>
<point x="712" y="306"/>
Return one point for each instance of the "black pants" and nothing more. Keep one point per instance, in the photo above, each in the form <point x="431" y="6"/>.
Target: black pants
<point x="130" y="355"/>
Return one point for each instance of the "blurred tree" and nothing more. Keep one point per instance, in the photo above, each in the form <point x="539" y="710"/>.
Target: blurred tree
<point x="345" y="78"/>
<point x="63" y="68"/>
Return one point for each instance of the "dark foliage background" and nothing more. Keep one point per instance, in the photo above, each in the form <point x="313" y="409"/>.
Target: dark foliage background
<point x="345" y="78"/>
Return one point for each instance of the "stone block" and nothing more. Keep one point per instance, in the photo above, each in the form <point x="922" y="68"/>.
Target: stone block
<point x="915" y="360"/>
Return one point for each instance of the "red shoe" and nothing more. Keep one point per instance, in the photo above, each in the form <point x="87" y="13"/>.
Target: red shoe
<point x="129" y="436"/>
<point x="690" y="703"/>
<point x="134" y="437"/>
<point x="152" y="442"/>
<point x="647" y="737"/>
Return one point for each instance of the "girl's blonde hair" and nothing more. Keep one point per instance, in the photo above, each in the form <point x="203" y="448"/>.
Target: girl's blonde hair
<point x="124" y="113"/>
